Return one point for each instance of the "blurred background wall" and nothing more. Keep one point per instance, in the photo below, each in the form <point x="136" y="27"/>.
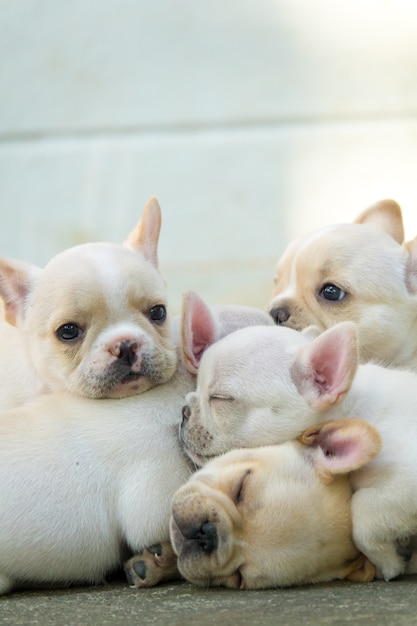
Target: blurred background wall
<point x="252" y="121"/>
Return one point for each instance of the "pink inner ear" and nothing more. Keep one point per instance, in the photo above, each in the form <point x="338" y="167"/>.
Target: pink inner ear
<point x="346" y="445"/>
<point x="411" y="269"/>
<point x="199" y="329"/>
<point x="16" y="282"/>
<point x="342" y="452"/>
<point x="332" y="359"/>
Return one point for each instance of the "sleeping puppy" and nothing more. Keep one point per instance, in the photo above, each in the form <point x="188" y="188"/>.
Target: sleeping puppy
<point x="359" y="272"/>
<point x="265" y="386"/>
<point x="92" y="322"/>
<point x="277" y="515"/>
<point x="83" y="481"/>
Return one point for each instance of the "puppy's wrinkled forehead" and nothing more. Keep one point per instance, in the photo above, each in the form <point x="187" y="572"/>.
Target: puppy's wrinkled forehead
<point x="239" y="356"/>
<point x="341" y="240"/>
<point x="94" y="279"/>
<point x="109" y="269"/>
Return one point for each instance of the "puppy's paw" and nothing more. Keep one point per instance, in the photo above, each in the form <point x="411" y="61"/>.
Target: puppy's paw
<point x="392" y="567"/>
<point x="155" y="565"/>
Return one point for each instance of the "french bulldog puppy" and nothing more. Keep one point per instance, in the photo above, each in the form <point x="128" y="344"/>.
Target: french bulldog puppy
<point x="85" y="481"/>
<point x="93" y="322"/>
<point x="264" y="386"/>
<point x="275" y="516"/>
<point x="360" y="272"/>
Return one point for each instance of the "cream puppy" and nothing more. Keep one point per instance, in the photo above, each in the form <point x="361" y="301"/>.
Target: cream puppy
<point x="83" y="481"/>
<point x="267" y="385"/>
<point x="92" y="322"/>
<point x="277" y="515"/>
<point x="359" y="272"/>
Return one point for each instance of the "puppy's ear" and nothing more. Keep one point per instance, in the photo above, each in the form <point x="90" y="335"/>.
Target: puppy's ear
<point x="411" y="268"/>
<point x="385" y="215"/>
<point x="144" y="238"/>
<point x="198" y="330"/>
<point x="17" y="280"/>
<point x="341" y="446"/>
<point x="324" y="369"/>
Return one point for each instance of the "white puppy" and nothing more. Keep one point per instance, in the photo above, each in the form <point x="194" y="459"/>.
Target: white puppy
<point x="92" y="322"/>
<point x="357" y="272"/>
<point x="277" y="515"/>
<point x="266" y="385"/>
<point x="82" y="480"/>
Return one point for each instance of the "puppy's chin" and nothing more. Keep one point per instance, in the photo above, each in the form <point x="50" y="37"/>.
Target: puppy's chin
<point x="134" y="385"/>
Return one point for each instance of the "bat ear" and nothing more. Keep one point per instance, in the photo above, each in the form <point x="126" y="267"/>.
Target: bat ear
<point x="385" y="215"/>
<point x="17" y="280"/>
<point x="144" y="238"/>
<point x="324" y="369"/>
<point x="198" y="330"/>
<point x="341" y="446"/>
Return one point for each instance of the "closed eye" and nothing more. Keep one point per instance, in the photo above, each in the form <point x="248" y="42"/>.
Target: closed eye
<point x="237" y="579"/>
<point x="221" y="396"/>
<point x="239" y="493"/>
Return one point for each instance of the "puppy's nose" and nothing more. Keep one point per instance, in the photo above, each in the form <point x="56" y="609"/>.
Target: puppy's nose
<point x="128" y="352"/>
<point x="206" y="537"/>
<point x="186" y="413"/>
<point x="280" y="314"/>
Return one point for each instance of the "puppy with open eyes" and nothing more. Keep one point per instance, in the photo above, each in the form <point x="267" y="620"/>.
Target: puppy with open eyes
<point x="85" y="482"/>
<point x="360" y="272"/>
<point x="92" y="322"/>
<point x="265" y="386"/>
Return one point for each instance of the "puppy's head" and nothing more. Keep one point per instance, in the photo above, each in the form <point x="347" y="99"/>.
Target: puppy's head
<point x="95" y="318"/>
<point x="358" y="272"/>
<point x="277" y="515"/>
<point x="263" y="385"/>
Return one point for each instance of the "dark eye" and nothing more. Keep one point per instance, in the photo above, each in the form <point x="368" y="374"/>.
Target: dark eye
<point x="68" y="332"/>
<point x="332" y="293"/>
<point x="158" y="313"/>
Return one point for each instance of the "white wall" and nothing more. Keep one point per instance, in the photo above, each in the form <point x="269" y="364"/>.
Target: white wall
<point x="252" y="121"/>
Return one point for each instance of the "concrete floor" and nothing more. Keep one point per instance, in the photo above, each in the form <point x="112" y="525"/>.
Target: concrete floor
<point x="341" y="603"/>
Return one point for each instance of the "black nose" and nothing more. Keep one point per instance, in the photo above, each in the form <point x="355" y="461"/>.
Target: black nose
<point x="186" y="413"/>
<point x="280" y="314"/>
<point x="128" y="352"/>
<point x="206" y="537"/>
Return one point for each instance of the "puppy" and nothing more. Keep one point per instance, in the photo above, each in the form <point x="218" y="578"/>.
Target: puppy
<point x="267" y="385"/>
<point x="84" y="480"/>
<point x="277" y="515"/>
<point x="92" y="322"/>
<point x="358" y="272"/>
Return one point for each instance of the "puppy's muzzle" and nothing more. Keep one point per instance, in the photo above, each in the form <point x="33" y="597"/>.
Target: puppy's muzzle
<point x="204" y="538"/>
<point x="186" y="414"/>
<point x="196" y="538"/>
<point x="280" y="315"/>
<point x="127" y="352"/>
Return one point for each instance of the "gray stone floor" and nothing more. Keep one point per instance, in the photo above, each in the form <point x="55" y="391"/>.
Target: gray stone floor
<point x="341" y="603"/>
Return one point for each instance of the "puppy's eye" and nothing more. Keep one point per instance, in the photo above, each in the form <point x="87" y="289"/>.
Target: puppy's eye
<point x="221" y="396"/>
<point x="158" y="313"/>
<point x="332" y="293"/>
<point x="68" y="332"/>
<point x="240" y="488"/>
